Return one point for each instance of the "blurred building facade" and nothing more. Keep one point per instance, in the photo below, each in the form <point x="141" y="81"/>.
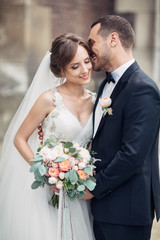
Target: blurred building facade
<point x="27" y="28"/>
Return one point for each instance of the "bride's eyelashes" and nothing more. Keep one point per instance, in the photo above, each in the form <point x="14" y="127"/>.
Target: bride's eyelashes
<point x="77" y="65"/>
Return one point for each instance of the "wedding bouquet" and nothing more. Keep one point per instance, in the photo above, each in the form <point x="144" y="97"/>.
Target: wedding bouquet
<point x="64" y="164"/>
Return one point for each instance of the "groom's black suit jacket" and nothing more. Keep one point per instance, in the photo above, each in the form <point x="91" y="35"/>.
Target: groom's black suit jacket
<point x="128" y="187"/>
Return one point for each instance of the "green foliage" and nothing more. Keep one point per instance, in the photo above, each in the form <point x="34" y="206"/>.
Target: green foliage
<point x="68" y="145"/>
<point x="35" y="184"/>
<point x="72" y="150"/>
<point x="59" y="159"/>
<point x="37" y="158"/>
<point x="92" y="178"/>
<point x="81" y="194"/>
<point x="80" y="188"/>
<point x="90" y="184"/>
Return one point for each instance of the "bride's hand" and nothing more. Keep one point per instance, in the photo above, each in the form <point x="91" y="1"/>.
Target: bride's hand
<point x="55" y="189"/>
<point x="88" y="195"/>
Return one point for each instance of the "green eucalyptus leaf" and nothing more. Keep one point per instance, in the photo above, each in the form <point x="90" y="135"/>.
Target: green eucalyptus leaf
<point x="42" y="170"/>
<point x="39" y="149"/>
<point x="87" y="170"/>
<point x="59" y="159"/>
<point x="37" y="158"/>
<point x="52" y="144"/>
<point x="72" y="198"/>
<point x="79" y="158"/>
<point x="67" y="174"/>
<point x="38" y="176"/>
<point x="34" y="166"/>
<point x="53" y="137"/>
<point x="35" y="184"/>
<point x="90" y="184"/>
<point x="81" y="181"/>
<point x="92" y="178"/>
<point x="68" y="145"/>
<point x="73" y="176"/>
<point x="81" y="194"/>
<point x="80" y="188"/>
<point x="76" y="152"/>
<point x="72" y="150"/>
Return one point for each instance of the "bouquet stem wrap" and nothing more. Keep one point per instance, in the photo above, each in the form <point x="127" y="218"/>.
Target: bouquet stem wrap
<point x="64" y="228"/>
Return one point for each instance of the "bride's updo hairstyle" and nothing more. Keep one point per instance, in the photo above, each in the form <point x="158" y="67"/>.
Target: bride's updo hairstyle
<point x="63" y="51"/>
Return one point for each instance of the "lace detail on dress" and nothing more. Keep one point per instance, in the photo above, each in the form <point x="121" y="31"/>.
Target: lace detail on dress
<point x="94" y="95"/>
<point x="63" y="124"/>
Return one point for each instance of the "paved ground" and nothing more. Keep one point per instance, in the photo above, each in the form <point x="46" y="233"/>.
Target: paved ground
<point x="156" y="231"/>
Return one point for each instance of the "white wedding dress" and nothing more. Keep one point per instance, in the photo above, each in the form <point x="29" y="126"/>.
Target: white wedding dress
<point x="26" y="214"/>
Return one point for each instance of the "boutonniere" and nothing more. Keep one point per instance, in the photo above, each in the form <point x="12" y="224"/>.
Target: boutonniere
<point x="105" y="102"/>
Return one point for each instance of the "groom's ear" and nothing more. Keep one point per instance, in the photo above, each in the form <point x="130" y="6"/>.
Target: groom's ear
<point x="113" y="39"/>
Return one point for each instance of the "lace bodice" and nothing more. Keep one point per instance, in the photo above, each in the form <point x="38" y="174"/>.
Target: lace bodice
<point x="65" y="125"/>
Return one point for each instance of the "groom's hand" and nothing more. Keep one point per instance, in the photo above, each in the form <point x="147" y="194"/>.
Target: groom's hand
<point x="88" y="195"/>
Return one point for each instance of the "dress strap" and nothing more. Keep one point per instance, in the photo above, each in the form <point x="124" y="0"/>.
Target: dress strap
<point x="94" y="95"/>
<point x="57" y="98"/>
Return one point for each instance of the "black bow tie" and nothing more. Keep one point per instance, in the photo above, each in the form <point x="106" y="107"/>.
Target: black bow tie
<point x="109" y="78"/>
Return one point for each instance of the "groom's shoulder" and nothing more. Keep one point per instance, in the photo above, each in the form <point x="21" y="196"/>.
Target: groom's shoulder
<point x="140" y="80"/>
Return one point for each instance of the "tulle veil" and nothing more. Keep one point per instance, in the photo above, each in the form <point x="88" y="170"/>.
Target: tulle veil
<point x="42" y="81"/>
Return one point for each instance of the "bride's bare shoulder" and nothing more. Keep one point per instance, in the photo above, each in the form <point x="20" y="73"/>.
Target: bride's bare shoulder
<point x="47" y="98"/>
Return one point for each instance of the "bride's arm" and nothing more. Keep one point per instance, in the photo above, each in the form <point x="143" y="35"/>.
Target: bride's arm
<point x="42" y="107"/>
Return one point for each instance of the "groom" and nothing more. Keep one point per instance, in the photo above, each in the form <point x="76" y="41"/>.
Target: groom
<point x="128" y="189"/>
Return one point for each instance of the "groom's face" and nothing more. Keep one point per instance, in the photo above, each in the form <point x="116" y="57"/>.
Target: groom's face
<point x="100" y="48"/>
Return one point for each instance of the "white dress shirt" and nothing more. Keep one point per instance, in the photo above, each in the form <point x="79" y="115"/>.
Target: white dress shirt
<point x="108" y="89"/>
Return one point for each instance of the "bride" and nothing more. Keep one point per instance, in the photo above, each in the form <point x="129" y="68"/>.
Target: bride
<point x="64" y="110"/>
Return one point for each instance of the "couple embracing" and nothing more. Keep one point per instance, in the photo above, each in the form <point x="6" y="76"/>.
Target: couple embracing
<point x="127" y="192"/>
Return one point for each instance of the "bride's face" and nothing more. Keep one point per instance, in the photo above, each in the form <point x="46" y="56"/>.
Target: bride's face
<point x="78" y="71"/>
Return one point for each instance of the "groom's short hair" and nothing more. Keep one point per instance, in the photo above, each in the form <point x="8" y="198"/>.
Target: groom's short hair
<point x="120" y="25"/>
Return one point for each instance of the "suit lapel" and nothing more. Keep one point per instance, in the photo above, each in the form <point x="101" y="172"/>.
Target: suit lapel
<point x="97" y="99"/>
<point x="118" y="88"/>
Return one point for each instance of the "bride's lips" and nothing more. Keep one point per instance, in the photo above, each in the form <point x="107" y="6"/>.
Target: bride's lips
<point x="85" y="76"/>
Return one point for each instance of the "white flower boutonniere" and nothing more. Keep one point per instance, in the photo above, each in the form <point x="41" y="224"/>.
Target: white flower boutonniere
<point x="105" y="102"/>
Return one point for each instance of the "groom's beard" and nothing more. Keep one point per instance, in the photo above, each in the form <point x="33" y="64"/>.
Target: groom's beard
<point x="101" y="63"/>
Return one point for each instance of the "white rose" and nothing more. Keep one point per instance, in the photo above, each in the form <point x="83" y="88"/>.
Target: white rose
<point x="85" y="161"/>
<point x="84" y="154"/>
<point x="81" y="165"/>
<point x="76" y="161"/>
<point x="47" y="158"/>
<point x="76" y="146"/>
<point x="53" y="154"/>
<point x="105" y="102"/>
<point x="52" y="180"/>
<point x="59" y="184"/>
<point x="58" y="150"/>
<point x="72" y="161"/>
<point x="75" y="168"/>
<point x="66" y="150"/>
<point x="62" y="175"/>
<point x="65" y="156"/>
<point x="55" y="165"/>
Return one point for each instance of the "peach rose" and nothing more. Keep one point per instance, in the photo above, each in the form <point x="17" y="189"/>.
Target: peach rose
<point x="53" y="172"/>
<point x="105" y="102"/>
<point x="82" y="175"/>
<point x="64" y="166"/>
